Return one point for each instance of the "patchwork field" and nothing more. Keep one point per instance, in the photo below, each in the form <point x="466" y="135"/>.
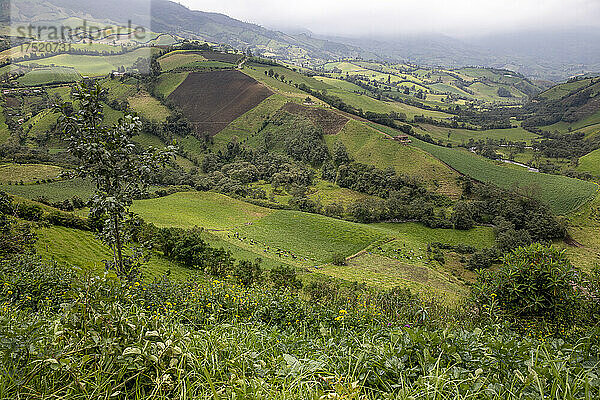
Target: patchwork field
<point x="212" y="100"/>
<point x="461" y="136"/>
<point x="561" y="193"/>
<point x="178" y="59"/>
<point x="257" y="71"/>
<point x="309" y="241"/>
<point x="89" y="65"/>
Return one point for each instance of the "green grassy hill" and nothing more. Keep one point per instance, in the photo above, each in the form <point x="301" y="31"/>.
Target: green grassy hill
<point x="561" y="193"/>
<point x="369" y="146"/>
<point x="49" y="75"/>
<point x="307" y="240"/>
<point x="92" y="65"/>
<point x="590" y="163"/>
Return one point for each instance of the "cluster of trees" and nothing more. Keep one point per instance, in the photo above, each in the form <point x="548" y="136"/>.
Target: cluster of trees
<point x="189" y="249"/>
<point x="504" y="92"/>
<point x="74" y="203"/>
<point x="571" y="145"/>
<point x="231" y="171"/>
<point x="454" y="124"/>
<point x="569" y="108"/>
<point x="517" y="220"/>
<point x="299" y="138"/>
<point x="34" y="213"/>
<point x="15" y="237"/>
<point x="176" y="125"/>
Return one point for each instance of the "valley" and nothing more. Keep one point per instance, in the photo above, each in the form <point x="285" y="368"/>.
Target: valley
<point x="219" y="210"/>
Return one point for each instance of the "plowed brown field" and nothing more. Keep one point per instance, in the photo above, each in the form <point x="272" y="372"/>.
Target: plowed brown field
<point x="212" y="100"/>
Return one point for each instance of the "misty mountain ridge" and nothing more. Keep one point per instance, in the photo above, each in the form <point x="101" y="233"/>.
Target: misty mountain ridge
<point x="542" y="54"/>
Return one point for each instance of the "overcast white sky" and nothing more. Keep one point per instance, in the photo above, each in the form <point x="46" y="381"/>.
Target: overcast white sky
<point x="384" y="17"/>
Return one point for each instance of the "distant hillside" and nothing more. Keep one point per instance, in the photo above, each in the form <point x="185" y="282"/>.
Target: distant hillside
<point x="566" y="103"/>
<point x="545" y="54"/>
<point x="542" y="55"/>
<point x="173" y="18"/>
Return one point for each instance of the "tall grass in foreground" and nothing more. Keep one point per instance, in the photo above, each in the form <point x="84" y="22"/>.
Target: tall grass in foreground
<point x="70" y="337"/>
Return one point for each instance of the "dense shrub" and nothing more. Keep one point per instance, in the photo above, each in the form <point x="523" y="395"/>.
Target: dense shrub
<point x="187" y="340"/>
<point x="67" y="220"/>
<point x="29" y="212"/>
<point x="535" y="282"/>
<point x="248" y="272"/>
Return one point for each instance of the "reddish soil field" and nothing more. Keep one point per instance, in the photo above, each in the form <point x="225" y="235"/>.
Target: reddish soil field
<point x="330" y="122"/>
<point x="212" y="100"/>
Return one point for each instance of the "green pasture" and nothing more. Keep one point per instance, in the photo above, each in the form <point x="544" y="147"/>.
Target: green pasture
<point x="245" y="126"/>
<point x="85" y="250"/>
<point x="590" y="163"/>
<point x="49" y="75"/>
<point x="149" y="107"/>
<point x="203" y="209"/>
<point x="257" y="71"/>
<point x="168" y="82"/>
<point x="177" y="59"/>
<point x="54" y="191"/>
<point x="561" y="193"/>
<point x="462" y="136"/>
<point x="94" y="65"/>
<point x="562" y="90"/>
<point x="369" y="146"/>
<point x="40" y="123"/>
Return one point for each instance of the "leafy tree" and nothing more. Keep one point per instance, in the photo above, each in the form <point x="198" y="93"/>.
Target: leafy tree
<point x="462" y="216"/>
<point x="108" y="157"/>
<point x="534" y="282"/>
<point x="15" y="238"/>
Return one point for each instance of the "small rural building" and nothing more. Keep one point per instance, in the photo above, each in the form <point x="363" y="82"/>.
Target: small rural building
<point x="404" y="139"/>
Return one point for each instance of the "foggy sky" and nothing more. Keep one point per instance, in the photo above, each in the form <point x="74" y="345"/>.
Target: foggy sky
<point x="392" y="17"/>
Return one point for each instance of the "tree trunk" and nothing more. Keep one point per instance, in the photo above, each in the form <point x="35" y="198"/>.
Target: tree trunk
<point x="119" y="260"/>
